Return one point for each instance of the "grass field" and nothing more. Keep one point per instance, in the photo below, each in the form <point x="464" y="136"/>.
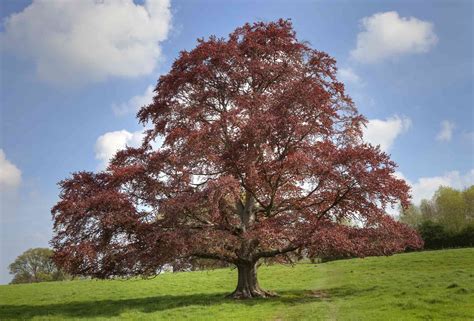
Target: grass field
<point x="436" y="285"/>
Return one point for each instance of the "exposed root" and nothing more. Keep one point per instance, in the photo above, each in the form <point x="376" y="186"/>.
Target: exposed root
<point x="246" y="293"/>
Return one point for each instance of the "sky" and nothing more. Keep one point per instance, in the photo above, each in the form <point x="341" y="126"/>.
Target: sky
<point x="74" y="73"/>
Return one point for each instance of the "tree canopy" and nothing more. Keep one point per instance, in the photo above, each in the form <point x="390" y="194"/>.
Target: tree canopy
<point x="262" y="157"/>
<point x="35" y="265"/>
<point x="453" y="209"/>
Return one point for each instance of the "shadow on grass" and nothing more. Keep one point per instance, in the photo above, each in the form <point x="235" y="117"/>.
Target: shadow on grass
<point x="113" y="308"/>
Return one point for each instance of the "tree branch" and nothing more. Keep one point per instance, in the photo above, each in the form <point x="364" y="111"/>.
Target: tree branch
<point x="276" y="252"/>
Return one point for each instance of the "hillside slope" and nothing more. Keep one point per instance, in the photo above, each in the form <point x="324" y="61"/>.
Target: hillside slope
<point x="436" y="285"/>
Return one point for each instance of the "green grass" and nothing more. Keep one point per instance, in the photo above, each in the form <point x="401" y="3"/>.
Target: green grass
<point x="436" y="285"/>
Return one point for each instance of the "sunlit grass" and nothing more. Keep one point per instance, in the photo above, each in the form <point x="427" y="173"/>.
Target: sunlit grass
<point x="436" y="285"/>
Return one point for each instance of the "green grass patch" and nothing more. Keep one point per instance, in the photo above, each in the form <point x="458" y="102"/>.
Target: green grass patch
<point x="435" y="285"/>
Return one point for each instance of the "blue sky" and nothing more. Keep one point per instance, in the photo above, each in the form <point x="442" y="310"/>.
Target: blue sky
<point x="74" y="72"/>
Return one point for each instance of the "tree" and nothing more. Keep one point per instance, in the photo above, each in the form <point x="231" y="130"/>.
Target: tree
<point x="468" y="195"/>
<point x="447" y="220"/>
<point x="451" y="208"/>
<point x="35" y="265"/>
<point x="428" y="210"/>
<point x="412" y="215"/>
<point x="262" y="158"/>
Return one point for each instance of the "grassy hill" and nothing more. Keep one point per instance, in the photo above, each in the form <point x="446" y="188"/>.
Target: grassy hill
<point x="436" y="285"/>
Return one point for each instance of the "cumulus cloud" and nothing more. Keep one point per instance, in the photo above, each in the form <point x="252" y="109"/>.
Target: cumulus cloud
<point x="110" y="143"/>
<point x="425" y="187"/>
<point x="134" y="103"/>
<point x="446" y="132"/>
<point x="384" y="132"/>
<point x="348" y="75"/>
<point x="386" y="35"/>
<point x="10" y="175"/>
<point x="88" y="40"/>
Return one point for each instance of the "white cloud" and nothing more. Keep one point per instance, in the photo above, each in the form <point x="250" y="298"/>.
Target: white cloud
<point x="88" y="40"/>
<point x="134" y="103"/>
<point x="10" y="175"/>
<point x="446" y="132"/>
<point x="108" y="144"/>
<point x="384" y="132"/>
<point x="425" y="187"/>
<point x="348" y="75"/>
<point x="388" y="35"/>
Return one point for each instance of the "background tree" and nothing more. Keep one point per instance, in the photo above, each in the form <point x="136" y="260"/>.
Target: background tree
<point x="454" y="209"/>
<point x="444" y="221"/>
<point x="412" y="215"/>
<point x="35" y="265"/>
<point x="262" y="158"/>
<point x="428" y="210"/>
<point x="451" y="210"/>
<point x="468" y="195"/>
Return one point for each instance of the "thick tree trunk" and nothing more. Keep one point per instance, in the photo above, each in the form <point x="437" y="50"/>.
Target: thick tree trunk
<point x="247" y="284"/>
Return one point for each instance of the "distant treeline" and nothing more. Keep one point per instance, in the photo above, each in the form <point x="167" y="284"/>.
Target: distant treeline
<point x="445" y="221"/>
<point x="36" y="265"/>
<point x="436" y="237"/>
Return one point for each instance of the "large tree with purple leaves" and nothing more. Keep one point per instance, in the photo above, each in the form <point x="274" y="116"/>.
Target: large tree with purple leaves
<point x="262" y="158"/>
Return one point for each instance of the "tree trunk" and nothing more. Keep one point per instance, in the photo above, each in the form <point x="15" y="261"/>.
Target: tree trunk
<point x="247" y="284"/>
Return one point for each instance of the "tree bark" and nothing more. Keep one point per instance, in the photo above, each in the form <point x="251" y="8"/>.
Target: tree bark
<point x="247" y="284"/>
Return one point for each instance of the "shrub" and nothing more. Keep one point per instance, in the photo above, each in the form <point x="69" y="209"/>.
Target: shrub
<point x="437" y="237"/>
